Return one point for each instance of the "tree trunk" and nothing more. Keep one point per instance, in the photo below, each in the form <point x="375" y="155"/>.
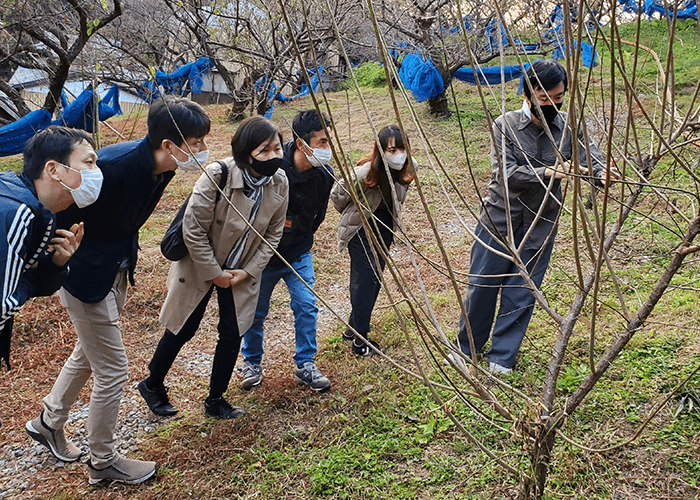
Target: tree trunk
<point x="540" y="459"/>
<point x="238" y="108"/>
<point x="438" y="106"/>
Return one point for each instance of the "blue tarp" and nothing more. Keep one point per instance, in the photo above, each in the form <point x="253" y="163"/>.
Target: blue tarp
<point x="490" y="74"/>
<point x="79" y="113"/>
<point x="176" y="82"/>
<point x="689" y="10"/>
<point x="421" y="77"/>
<point x="424" y="81"/>
<point x="588" y="54"/>
<point x="14" y="135"/>
<point x="492" y="39"/>
<point x="282" y="98"/>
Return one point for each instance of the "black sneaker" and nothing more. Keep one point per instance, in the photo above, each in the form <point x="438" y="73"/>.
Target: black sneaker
<point x="157" y="400"/>
<point x="220" y="408"/>
<point x="364" y="350"/>
<point x="348" y="334"/>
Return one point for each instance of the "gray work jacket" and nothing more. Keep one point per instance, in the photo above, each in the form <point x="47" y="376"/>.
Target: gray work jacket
<point x="528" y="152"/>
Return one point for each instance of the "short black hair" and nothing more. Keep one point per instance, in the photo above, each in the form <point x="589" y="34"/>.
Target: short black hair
<point x="544" y="74"/>
<point x="250" y="134"/>
<point x="52" y="143"/>
<point x="176" y="119"/>
<point x="307" y="122"/>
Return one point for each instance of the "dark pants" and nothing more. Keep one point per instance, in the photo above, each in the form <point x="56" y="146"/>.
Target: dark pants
<point x="227" y="346"/>
<point x="490" y="274"/>
<point x="365" y="278"/>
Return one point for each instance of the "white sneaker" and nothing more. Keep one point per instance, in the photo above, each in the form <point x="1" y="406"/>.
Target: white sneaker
<point x="496" y="369"/>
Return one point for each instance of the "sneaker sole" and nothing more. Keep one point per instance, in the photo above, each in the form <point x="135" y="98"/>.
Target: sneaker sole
<point x="317" y="389"/>
<point x="36" y="436"/>
<point x="247" y="386"/>
<point x="125" y="481"/>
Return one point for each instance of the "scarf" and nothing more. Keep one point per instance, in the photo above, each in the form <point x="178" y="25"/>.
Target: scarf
<point x="254" y="190"/>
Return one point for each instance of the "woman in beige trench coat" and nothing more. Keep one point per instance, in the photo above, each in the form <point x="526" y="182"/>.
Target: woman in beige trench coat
<point x="223" y="254"/>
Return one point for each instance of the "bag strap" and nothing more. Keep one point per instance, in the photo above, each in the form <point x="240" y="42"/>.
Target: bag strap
<point x="222" y="181"/>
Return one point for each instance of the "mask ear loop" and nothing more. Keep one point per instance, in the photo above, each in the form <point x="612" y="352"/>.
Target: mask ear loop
<point x="74" y="170"/>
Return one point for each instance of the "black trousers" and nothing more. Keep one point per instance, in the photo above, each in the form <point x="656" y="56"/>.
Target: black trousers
<point x="365" y="277"/>
<point x="227" y="346"/>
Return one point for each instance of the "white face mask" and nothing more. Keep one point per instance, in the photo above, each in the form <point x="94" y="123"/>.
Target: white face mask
<point x="193" y="161"/>
<point x="319" y="157"/>
<point x="396" y="161"/>
<point x="526" y="110"/>
<point x="90" y="186"/>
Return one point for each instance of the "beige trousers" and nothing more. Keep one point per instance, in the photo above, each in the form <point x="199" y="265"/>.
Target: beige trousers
<point x="99" y="352"/>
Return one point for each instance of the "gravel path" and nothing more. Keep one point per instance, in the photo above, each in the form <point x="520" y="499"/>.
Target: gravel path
<point x="21" y="457"/>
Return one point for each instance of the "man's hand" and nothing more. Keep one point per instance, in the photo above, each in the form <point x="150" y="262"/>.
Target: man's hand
<point x="65" y="244"/>
<point x="611" y="175"/>
<point x="561" y="170"/>
<point x="238" y="275"/>
<point x="223" y="280"/>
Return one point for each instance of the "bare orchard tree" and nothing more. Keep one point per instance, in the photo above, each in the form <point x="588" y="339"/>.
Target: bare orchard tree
<point x="145" y="37"/>
<point x="248" y="41"/>
<point x="653" y="140"/>
<point x="438" y="29"/>
<point x="49" y="35"/>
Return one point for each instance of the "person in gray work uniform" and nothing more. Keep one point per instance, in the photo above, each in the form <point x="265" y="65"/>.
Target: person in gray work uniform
<point x="522" y="150"/>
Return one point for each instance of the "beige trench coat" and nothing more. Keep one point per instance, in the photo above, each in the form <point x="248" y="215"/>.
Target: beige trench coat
<point x="350" y="220"/>
<point x="210" y="233"/>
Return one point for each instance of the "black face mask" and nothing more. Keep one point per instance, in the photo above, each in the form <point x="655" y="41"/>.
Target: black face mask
<point x="549" y="112"/>
<point x="266" y="168"/>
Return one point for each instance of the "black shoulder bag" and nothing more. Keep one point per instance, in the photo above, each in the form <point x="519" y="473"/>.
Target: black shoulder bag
<point x="173" y="243"/>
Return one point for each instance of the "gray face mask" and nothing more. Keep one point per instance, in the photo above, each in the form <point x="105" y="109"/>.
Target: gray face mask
<point x="395" y="161"/>
<point x="90" y="186"/>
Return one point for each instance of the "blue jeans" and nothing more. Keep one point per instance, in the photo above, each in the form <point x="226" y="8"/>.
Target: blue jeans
<point x="303" y="304"/>
<point x="490" y="274"/>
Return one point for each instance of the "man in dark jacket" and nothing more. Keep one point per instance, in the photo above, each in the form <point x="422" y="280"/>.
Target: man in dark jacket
<point x="135" y="175"/>
<point x="33" y="253"/>
<point x="310" y="177"/>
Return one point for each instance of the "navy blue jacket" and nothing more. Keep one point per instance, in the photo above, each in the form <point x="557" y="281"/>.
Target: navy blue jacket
<point x="308" y="201"/>
<point x="130" y="193"/>
<point x="26" y="268"/>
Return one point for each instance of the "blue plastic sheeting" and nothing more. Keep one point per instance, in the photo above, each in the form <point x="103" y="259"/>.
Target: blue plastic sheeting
<point x="421" y="77"/>
<point x="492" y="39"/>
<point x="176" y="82"/>
<point x="467" y="26"/>
<point x="14" y="135"/>
<point x="689" y="10"/>
<point x="630" y="6"/>
<point x="589" y="56"/>
<point x="79" y="113"/>
<point x="282" y="98"/>
<point x="490" y="74"/>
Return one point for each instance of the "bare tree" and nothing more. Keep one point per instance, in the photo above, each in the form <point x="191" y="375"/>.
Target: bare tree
<point x="458" y="34"/>
<point x="50" y="36"/>
<point x="654" y="141"/>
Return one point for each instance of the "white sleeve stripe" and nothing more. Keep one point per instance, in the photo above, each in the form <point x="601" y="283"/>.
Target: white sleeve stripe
<point x="13" y="267"/>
